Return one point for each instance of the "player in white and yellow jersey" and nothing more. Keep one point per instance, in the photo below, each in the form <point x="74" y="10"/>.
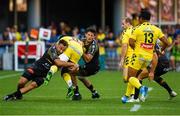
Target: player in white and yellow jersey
<point x="126" y="53"/>
<point x="143" y="40"/>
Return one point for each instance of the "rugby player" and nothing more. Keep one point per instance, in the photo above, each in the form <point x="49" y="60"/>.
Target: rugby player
<point x="36" y="73"/>
<point x="162" y="68"/>
<point x="90" y="56"/>
<point x="143" y="39"/>
<point x="126" y="53"/>
<point x="91" y="66"/>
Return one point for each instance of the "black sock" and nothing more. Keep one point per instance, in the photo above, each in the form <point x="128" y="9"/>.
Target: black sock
<point x="18" y="94"/>
<point x="76" y="90"/>
<point x="91" y="88"/>
<point x="161" y="82"/>
<point x="136" y="94"/>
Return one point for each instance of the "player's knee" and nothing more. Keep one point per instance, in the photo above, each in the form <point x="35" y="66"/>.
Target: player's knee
<point x="22" y="81"/>
<point x="158" y="79"/>
<point x="33" y="85"/>
<point x="54" y="69"/>
<point x="64" y="70"/>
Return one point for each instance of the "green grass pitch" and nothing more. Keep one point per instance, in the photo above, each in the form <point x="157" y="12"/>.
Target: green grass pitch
<point x="52" y="100"/>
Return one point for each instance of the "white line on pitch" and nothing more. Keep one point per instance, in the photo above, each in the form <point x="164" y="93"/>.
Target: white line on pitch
<point x="8" y="76"/>
<point x="150" y="89"/>
<point x="135" y="108"/>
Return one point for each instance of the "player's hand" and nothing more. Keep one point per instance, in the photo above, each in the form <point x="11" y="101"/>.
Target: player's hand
<point x="151" y="76"/>
<point x="121" y="64"/>
<point x="74" y="68"/>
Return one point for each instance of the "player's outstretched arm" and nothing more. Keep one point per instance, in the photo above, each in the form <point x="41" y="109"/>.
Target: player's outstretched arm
<point x="123" y="54"/>
<point x="153" y="66"/>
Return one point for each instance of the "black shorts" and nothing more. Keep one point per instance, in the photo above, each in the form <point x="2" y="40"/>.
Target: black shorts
<point x="88" y="70"/>
<point x="162" y="68"/>
<point x="84" y="70"/>
<point x="36" y="72"/>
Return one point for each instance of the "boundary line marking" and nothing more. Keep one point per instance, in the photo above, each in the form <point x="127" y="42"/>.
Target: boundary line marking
<point x="135" y="108"/>
<point x="8" y="76"/>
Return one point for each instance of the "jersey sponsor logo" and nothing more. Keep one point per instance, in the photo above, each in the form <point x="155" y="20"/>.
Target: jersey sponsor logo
<point x="147" y="46"/>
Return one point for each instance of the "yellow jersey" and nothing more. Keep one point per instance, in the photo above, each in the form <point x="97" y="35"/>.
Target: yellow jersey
<point x="125" y="40"/>
<point x="146" y="36"/>
<point x="74" y="50"/>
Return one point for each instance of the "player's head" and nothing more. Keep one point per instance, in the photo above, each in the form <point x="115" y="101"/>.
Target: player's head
<point x="90" y="34"/>
<point x="126" y="22"/>
<point x="61" y="46"/>
<point x="144" y="15"/>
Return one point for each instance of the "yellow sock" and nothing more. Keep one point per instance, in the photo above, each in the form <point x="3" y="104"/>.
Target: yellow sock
<point x="129" y="89"/>
<point x="67" y="79"/>
<point x="135" y="82"/>
<point x="54" y="69"/>
<point x="133" y="91"/>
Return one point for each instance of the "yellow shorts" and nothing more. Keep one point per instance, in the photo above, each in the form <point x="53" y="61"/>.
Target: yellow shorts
<point x="127" y="61"/>
<point x="140" y="61"/>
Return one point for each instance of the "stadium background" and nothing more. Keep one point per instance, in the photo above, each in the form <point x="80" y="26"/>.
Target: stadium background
<point x="18" y="22"/>
<point x="22" y="24"/>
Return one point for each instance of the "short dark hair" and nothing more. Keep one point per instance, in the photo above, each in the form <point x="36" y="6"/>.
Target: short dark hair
<point x="128" y="20"/>
<point x="91" y="29"/>
<point x="63" y="42"/>
<point x="145" y="14"/>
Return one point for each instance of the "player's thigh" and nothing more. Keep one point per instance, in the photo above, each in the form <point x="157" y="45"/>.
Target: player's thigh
<point x="64" y="70"/>
<point x="144" y="74"/>
<point x="135" y="62"/>
<point x="38" y="81"/>
<point x="22" y="80"/>
<point x="88" y="70"/>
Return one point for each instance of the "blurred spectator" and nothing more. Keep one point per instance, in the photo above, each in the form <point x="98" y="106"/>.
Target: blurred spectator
<point x="118" y="43"/>
<point x="17" y="34"/>
<point x="176" y="51"/>
<point x="101" y="38"/>
<point x="75" y="33"/>
<point x="111" y="45"/>
<point x="53" y="39"/>
<point x="25" y="36"/>
<point x="64" y="29"/>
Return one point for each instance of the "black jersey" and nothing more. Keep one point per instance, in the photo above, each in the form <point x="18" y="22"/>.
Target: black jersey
<point x="93" y="49"/>
<point x="47" y="60"/>
<point x="39" y="69"/>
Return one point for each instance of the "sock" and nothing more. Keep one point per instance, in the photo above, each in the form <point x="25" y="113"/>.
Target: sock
<point x="129" y="90"/>
<point x="67" y="79"/>
<point x="76" y="90"/>
<point x="91" y="88"/>
<point x="19" y="86"/>
<point x="135" y="82"/>
<point x="53" y="69"/>
<point x="161" y="82"/>
<point x="136" y="95"/>
<point x="18" y="94"/>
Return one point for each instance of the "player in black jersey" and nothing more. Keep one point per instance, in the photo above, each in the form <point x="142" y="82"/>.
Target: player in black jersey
<point x="91" y="66"/>
<point x="36" y="73"/>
